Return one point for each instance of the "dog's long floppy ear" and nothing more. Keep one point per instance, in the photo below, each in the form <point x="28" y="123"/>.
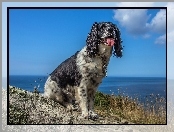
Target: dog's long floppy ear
<point x="118" y="48"/>
<point x="92" y="41"/>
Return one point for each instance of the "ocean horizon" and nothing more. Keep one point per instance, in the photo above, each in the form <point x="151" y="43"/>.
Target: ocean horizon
<point x="133" y="87"/>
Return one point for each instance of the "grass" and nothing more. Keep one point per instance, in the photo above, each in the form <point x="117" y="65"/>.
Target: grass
<point x="122" y="107"/>
<point x="114" y="108"/>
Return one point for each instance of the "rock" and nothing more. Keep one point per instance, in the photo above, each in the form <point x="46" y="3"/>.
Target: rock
<point x="32" y="108"/>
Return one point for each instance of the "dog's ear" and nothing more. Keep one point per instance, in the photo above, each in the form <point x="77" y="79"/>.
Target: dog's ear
<point x="92" y="41"/>
<point x="118" y="46"/>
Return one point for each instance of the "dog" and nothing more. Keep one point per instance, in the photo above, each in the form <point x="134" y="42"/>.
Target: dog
<point x="74" y="82"/>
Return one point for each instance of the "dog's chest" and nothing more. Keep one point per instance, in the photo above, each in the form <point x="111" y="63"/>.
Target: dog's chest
<point x="90" y="65"/>
<point x="95" y="66"/>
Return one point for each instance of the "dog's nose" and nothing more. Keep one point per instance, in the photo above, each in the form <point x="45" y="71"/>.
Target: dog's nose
<point x="110" y="30"/>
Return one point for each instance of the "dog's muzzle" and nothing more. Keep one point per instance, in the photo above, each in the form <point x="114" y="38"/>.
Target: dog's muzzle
<point x="108" y="41"/>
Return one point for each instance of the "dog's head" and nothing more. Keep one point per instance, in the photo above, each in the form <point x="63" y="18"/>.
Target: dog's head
<point x="104" y="33"/>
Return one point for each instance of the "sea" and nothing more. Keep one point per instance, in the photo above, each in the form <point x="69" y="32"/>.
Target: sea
<point x="133" y="87"/>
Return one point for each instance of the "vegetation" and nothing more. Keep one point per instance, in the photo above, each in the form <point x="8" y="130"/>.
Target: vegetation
<point x="32" y="108"/>
<point x="122" y="107"/>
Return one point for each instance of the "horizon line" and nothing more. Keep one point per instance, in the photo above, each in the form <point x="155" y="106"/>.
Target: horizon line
<point x="104" y="77"/>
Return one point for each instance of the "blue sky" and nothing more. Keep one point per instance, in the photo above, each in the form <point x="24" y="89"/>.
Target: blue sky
<point x="41" y="39"/>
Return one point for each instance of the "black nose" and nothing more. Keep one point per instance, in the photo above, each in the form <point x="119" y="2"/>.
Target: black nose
<point x="110" y="30"/>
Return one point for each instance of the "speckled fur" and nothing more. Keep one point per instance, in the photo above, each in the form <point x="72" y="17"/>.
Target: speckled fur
<point x="75" y="81"/>
<point x="92" y="74"/>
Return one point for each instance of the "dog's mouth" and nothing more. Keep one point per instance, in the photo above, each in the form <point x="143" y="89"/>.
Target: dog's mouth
<point x="109" y="41"/>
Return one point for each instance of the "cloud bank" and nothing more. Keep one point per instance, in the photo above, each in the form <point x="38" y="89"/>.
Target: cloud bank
<point x="139" y="22"/>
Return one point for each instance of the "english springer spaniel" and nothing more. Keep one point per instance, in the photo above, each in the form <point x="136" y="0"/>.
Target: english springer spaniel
<point x="74" y="82"/>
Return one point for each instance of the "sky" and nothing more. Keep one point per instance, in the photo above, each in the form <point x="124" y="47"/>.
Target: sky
<point x="40" y="39"/>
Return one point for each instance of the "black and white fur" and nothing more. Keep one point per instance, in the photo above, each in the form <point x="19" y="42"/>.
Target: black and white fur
<point x="75" y="81"/>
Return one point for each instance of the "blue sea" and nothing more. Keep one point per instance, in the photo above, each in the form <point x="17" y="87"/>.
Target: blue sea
<point x="135" y="87"/>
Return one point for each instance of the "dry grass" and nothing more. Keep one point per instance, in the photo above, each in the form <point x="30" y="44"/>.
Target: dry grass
<point x="152" y="112"/>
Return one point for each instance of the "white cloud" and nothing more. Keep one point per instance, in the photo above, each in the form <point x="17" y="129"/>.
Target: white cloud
<point x="158" y="23"/>
<point x="133" y="20"/>
<point x="161" y="39"/>
<point x="136" y="20"/>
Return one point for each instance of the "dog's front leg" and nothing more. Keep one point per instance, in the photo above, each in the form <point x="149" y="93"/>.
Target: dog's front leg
<point x="92" y="115"/>
<point x="82" y="91"/>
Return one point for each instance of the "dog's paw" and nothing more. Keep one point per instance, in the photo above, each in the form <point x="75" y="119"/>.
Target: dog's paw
<point x="83" y="116"/>
<point x="75" y="108"/>
<point x="92" y="115"/>
<point x="69" y="108"/>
